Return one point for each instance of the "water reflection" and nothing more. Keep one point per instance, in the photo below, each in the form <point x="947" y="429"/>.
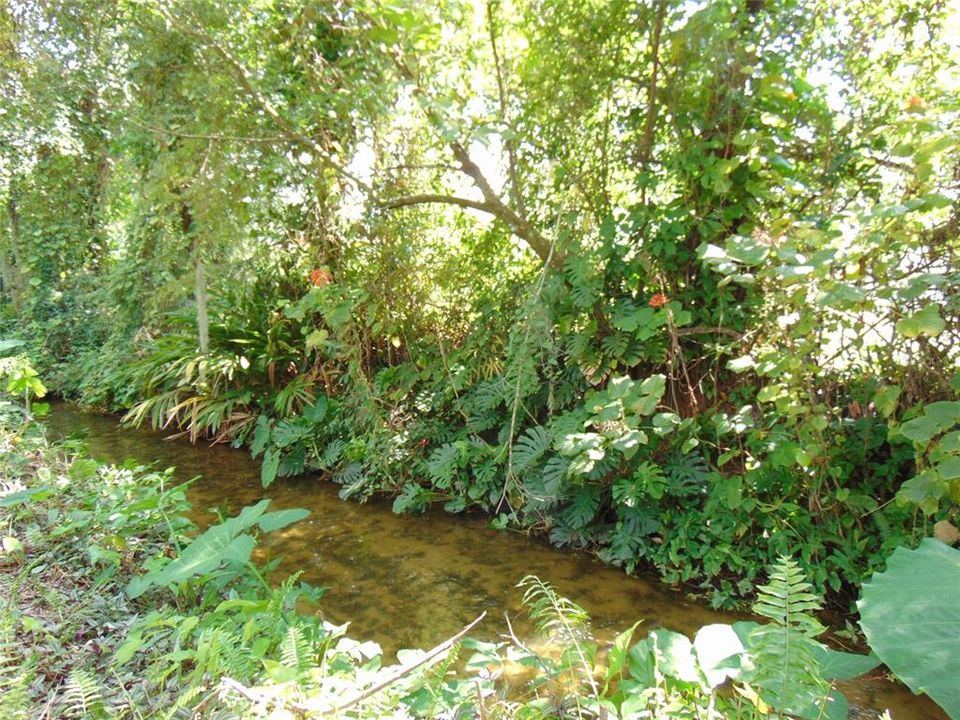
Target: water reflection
<point x="413" y="581"/>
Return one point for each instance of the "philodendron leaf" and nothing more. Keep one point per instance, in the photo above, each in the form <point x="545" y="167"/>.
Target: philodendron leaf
<point x="911" y="616"/>
<point x="617" y="657"/>
<point x="838" y="665"/>
<point x="226" y="544"/>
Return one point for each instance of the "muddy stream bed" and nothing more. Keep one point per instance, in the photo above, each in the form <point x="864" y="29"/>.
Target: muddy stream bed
<point x="412" y="581"/>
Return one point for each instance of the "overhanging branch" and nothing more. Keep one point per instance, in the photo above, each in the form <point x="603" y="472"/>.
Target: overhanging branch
<point x="518" y="225"/>
<point x="428" y="198"/>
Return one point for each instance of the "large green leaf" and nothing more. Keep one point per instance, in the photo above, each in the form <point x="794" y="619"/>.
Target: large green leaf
<point x="281" y="518"/>
<point x="7" y="345"/>
<point x="719" y="652"/>
<point x="910" y="614"/>
<point x="226" y="544"/>
<point x="675" y="657"/>
<point x="923" y="322"/>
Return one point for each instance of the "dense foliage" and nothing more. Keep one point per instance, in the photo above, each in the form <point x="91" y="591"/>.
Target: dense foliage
<point x="672" y="281"/>
<point x="114" y="606"/>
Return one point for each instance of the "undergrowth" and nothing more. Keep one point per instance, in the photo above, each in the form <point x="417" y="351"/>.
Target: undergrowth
<point x="115" y="606"/>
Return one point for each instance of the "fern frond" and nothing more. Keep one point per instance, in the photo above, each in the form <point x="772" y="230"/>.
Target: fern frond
<point x="186" y="700"/>
<point x="784" y="650"/>
<point x="552" y="614"/>
<point x="82" y="696"/>
<point x="16" y="674"/>
<point x="295" y="651"/>
<point x="565" y="623"/>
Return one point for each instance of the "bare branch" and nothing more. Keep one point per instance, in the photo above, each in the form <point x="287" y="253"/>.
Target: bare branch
<point x="304" y="710"/>
<point x="702" y="330"/>
<point x="518" y="224"/>
<point x="196" y="136"/>
<point x="406" y="670"/>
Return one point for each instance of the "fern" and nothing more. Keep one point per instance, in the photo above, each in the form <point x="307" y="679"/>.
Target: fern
<point x="784" y="650"/>
<point x="295" y="651"/>
<point x="584" y="284"/>
<point x="15" y="673"/>
<point x="82" y="696"/>
<point x="186" y="699"/>
<point x="565" y="623"/>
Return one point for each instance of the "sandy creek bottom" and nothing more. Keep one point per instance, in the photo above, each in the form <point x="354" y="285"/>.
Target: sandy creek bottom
<point x="412" y="581"/>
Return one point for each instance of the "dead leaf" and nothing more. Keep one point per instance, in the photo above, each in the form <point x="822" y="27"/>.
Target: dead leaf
<point x="946" y="532"/>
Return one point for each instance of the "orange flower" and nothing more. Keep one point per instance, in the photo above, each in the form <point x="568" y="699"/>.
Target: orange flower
<point x="320" y="277"/>
<point x="658" y="300"/>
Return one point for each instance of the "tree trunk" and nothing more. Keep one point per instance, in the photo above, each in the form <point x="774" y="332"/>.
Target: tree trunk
<point x="13" y="274"/>
<point x="200" y="292"/>
<point x="200" y="282"/>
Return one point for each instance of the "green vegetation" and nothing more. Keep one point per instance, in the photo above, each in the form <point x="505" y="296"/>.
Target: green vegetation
<point x="116" y="607"/>
<point x="674" y="282"/>
<point x="907" y="632"/>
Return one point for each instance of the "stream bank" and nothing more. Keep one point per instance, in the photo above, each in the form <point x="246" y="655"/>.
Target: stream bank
<point x="405" y="581"/>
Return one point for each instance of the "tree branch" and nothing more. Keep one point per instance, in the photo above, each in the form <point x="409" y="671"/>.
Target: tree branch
<point x="647" y="150"/>
<point x="428" y="198"/>
<point x="492" y="204"/>
<point x="406" y="670"/>
<point x="197" y="136"/>
<point x="246" y="83"/>
<point x="518" y="225"/>
<point x="515" y="195"/>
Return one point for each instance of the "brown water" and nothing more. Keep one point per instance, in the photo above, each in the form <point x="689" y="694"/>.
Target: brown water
<point x="412" y="581"/>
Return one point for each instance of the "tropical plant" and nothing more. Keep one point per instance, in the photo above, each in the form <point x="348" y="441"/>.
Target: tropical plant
<point x="784" y="652"/>
<point x="911" y="621"/>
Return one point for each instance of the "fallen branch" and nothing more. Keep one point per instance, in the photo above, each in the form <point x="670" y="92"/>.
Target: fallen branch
<point x="304" y="710"/>
<point x="430" y="655"/>
<point x="255" y="697"/>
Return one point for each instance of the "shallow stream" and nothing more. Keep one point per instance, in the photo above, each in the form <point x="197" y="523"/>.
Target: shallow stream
<point x="412" y="581"/>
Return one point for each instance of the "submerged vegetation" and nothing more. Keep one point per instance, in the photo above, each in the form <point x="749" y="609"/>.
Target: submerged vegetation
<point x="673" y="282"/>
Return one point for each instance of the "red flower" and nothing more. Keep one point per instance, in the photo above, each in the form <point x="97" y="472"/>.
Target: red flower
<point x="658" y="300"/>
<point x="423" y="443"/>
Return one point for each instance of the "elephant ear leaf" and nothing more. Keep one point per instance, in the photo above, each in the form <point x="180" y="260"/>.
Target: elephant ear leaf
<point x="911" y="616"/>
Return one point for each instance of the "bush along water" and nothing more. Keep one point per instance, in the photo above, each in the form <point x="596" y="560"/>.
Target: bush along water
<point x="672" y="282"/>
<point x="116" y="606"/>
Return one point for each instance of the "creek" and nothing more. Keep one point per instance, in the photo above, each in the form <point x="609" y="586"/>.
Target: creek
<point x="412" y="581"/>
